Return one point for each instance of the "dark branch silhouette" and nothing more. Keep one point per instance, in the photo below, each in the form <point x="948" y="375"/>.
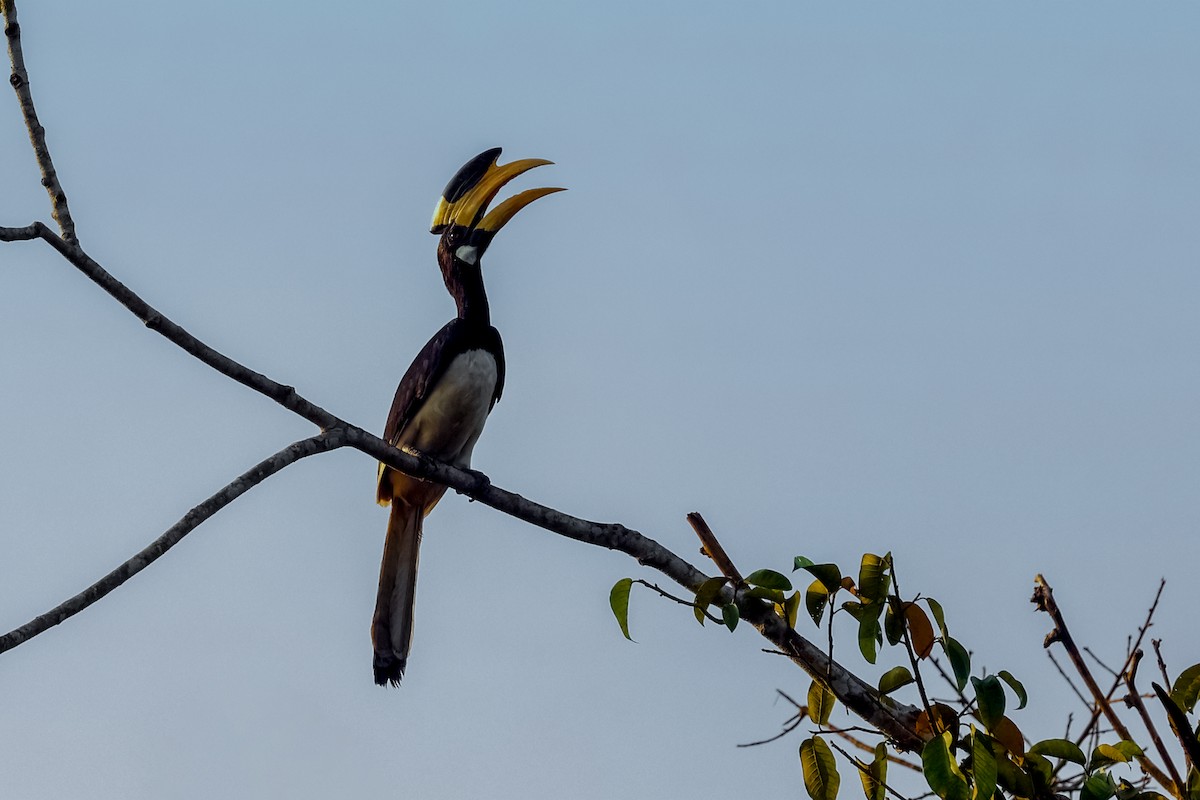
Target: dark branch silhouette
<point x="894" y="719"/>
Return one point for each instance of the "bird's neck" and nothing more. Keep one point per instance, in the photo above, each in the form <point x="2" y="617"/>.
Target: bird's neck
<point x="466" y="286"/>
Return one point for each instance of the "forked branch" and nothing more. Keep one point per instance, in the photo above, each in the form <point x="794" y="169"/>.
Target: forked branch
<point x="893" y="719"/>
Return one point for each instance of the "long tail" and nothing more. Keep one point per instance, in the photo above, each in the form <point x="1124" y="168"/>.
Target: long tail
<point x="391" y="630"/>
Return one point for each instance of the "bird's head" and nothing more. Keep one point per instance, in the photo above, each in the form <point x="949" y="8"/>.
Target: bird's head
<point x="462" y="217"/>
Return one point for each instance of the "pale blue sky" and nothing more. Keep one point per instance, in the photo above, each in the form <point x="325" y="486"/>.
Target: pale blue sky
<point x="919" y="277"/>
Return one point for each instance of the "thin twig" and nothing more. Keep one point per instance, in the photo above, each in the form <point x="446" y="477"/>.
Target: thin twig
<point x="1135" y="700"/>
<point x="845" y="733"/>
<point x="1087" y="704"/>
<point x="680" y="600"/>
<point x="863" y="769"/>
<point x="1102" y="665"/>
<point x="962" y="698"/>
<point x="792" y="723"/>
<point x="37" y="134"/>
<point x="1162" y="665"/>
<point x="320" y="443"/>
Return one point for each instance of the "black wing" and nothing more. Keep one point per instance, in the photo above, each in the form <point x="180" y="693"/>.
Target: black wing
<point x="454" y="338"/>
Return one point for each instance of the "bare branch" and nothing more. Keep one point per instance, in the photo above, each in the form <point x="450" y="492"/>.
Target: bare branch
<point x="1043" y="597"/>
<point x="152" y="552"/>
<point x="21" y="234"/>
<point x="37" y="134"/>
<point x="894" y="719"/>
<point x="1112" y="690"/>
<point x="284" y="395"/>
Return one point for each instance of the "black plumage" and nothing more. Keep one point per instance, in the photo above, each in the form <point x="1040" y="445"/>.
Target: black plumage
<point x="445" y="395"/>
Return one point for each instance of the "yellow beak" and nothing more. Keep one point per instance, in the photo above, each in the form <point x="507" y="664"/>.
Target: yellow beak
<point x="475" y="185"/>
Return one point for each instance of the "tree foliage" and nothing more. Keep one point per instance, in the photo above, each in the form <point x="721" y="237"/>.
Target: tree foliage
<point x="973" y="749"/>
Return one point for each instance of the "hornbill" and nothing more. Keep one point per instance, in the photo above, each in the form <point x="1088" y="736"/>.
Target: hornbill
<point x="446" y="394"/>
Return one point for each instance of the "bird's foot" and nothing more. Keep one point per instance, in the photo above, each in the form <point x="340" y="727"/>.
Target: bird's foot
<point x="481" y="481"/>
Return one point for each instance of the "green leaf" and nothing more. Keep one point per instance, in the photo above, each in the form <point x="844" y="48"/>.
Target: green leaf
<point x="939" y="616"/>
<point x="874" y="777"/>
<point x="989" y="694"/>
<point x="1060" y="748"/>
<point x="941" y="771"/>
<point x="893" y="679"/>
<point x="706" y="594"/>
<point x="1097" y="787"/>
<point x="821" y="777"/>
<point x="815" y="600"/>
<point x="828" y="574"/>
<point x="1041" y="771"/>
<point x="1126" y="790"/>
<point x="801" y="562"/>
<point x="1105" y="755"/>
<point x="1129" y="749"/>
<point x="820" y="703"/>
<point x="774" y="595"/>
<point x="769" y="579"/>
<point x="1186" y="689"/>
<point x="1110" y="754"/>
<point x="960" y="661"/>
<point x="618" y="600"/>
<point x="873" y="579"/>
<point x="731" y="615"/>
<point x="1013" y="779"/>
<point x="893" y="622"/>
<point x="983" y="767"/>
<point x="1017" y="687"/>
<point x="791" y="609"/>
<point x="869" y="638"/>
<point x="1193" y="784"/>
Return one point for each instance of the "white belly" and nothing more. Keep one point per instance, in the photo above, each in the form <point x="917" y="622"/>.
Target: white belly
<point x="451" y="419"/>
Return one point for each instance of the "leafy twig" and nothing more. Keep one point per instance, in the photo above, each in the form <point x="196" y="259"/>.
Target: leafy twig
<point x="680" y="600"/>
<point x="935" y="720"/>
